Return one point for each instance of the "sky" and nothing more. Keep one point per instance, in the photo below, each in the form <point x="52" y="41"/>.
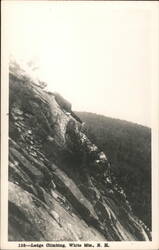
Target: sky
<point x="98" y="55"/>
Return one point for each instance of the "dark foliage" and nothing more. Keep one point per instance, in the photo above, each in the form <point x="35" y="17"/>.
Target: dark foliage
<point x="128" y="148"/>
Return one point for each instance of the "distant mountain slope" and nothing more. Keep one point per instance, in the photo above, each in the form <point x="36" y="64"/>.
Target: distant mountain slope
<point x="128" y="146"/>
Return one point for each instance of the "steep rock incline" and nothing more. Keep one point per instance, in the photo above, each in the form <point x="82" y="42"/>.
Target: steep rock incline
<point x="60" y="184"/>
<point x="128" y="146"/>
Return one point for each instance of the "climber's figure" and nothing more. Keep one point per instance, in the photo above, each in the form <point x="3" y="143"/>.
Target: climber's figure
<point x="71" y="127"/>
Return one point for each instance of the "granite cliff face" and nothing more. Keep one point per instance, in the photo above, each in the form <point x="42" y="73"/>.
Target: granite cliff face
<point x="60" y="184"/>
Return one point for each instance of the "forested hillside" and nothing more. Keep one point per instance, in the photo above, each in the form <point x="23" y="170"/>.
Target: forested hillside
<point x="128" y="147"/>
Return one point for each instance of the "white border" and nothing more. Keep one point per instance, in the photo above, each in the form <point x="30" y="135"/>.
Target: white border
<point x="153" y="7"/>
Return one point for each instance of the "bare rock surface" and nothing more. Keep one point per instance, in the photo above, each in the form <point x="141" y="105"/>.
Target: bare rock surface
<point x="60" y="184"/>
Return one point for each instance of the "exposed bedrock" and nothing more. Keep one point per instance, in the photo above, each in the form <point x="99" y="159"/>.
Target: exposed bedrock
<point x="60" y="183"/>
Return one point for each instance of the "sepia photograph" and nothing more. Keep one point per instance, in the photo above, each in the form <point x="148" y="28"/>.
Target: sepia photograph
<point x="79" y="165"/>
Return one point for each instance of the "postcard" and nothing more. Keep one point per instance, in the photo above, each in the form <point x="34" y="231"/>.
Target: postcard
<point x="79" y="133"/>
